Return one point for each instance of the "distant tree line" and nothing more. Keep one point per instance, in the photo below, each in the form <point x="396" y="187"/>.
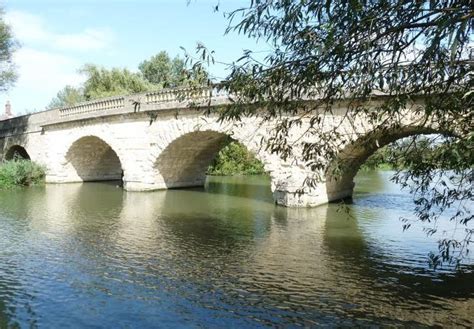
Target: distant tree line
<point x="158" y="72"/>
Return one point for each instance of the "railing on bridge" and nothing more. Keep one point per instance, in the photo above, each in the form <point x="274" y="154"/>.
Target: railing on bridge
<point x="100" y="105"/>
<point x="183" y="96"/>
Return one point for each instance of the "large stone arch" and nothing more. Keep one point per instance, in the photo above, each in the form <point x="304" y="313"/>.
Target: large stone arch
<point x="342" y="170"/>
<point x="184" y="161"/>
<point x="16" y="152"/>
<point x="179" y="150"/>
<point x="90" y="158"/>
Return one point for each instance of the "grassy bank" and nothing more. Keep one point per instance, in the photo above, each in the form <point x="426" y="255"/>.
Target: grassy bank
<point x="235" y="159"/>
<point x="21" y="173"/>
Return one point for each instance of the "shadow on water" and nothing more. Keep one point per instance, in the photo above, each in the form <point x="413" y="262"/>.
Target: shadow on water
<point x="354" y="246"/>
<point x="251" y="187"/>
<point x="383" y="252"/>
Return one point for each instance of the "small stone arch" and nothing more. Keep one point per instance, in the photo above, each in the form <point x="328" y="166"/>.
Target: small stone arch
<point x="90" y="158"/>
<point x="17" y="152"/>
<point x="342" y="170"/>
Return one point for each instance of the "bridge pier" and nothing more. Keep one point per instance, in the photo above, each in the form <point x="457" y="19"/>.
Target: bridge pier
<point x="311" y="197"/>
<point x="288" y="187"/>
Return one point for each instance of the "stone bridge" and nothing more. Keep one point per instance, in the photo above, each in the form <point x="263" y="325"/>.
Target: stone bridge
<point x="157" y="140"/>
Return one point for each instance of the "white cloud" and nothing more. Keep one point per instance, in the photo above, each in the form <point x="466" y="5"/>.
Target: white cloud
<point x="32" y="30"/>
<point x="47" y="60"/>
<point x="26" y="27"/>
<point x="89" y="39"/>
<point x="44" y="70"/>
<point x="41" y="75"/>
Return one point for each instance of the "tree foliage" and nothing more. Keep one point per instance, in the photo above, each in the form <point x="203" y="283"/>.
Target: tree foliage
<point x="165" y="72"/>
<point x="67" y="96"/>
<point x="235" y="159"/>
<point x="158" y="72"/>
<point x="21" y="172"/>
<point x="339" y="50"/>
<point x="101" y="82"/>
<point x="7" y="47"/>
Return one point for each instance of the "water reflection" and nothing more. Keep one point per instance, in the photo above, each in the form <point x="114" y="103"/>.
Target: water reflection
<point x="85" y="254"/>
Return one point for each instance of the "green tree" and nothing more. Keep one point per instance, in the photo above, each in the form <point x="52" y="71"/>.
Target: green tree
<point x="235" y="159"/>
<point x="7" y="47"/>
<point x="156" y="73"/>
<point x="343" y="51"/>
<point x="102" y="82"/>
<point x="68" y="96"/>
<point x="165" y="72"/>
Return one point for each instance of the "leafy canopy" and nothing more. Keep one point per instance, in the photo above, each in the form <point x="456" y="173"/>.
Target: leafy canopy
<point x="102" y="82"/>
<point x="163" y="71"/>
<point x="160" y="71"/>
<point x="67" y="96"/>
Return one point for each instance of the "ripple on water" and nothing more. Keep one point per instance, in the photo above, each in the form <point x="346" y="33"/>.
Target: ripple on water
<point x="81" y="255"/>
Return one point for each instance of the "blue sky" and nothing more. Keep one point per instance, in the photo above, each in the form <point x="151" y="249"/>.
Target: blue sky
<point x="57" y="37"/>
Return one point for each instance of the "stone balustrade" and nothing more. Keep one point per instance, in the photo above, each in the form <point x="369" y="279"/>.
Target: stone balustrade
<point x="172" y="96"/>
<point x="88" y="107"/>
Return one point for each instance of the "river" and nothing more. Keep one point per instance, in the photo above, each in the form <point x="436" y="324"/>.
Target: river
<point x="90" y="255"/>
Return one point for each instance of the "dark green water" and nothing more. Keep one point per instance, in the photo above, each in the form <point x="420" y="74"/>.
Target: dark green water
<point x="92" y="256"/>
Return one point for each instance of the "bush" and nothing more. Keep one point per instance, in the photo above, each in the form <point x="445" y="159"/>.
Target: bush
<point x="235" y="159"/>
<point x="21" y="173"/>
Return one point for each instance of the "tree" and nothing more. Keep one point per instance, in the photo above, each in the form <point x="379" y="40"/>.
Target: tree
<point x="160" y="70"/>
<point x="68" y="96"/>
<point x="102" y="82"/>
<point x="7" y="47"/>
<point x="163" y="71"/>
<point x="344" y="51"/>
<point x="156" y="73"/>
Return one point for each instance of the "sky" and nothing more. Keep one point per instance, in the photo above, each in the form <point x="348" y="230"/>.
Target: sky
<point x="57" y="37"/>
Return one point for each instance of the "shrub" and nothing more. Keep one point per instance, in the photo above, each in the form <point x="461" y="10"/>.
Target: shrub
<point x="235" y="159"/>
<point x="21" y="173"/>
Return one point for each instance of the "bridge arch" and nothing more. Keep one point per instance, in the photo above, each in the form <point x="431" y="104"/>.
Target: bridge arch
<point x="183" y="162"/>
<point x="342" y="170"/>
<point x="17" y="152"/>
<point x="90" y="158"/>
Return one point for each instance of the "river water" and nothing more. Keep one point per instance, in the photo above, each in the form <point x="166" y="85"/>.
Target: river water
<point x="90" y="255"/>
